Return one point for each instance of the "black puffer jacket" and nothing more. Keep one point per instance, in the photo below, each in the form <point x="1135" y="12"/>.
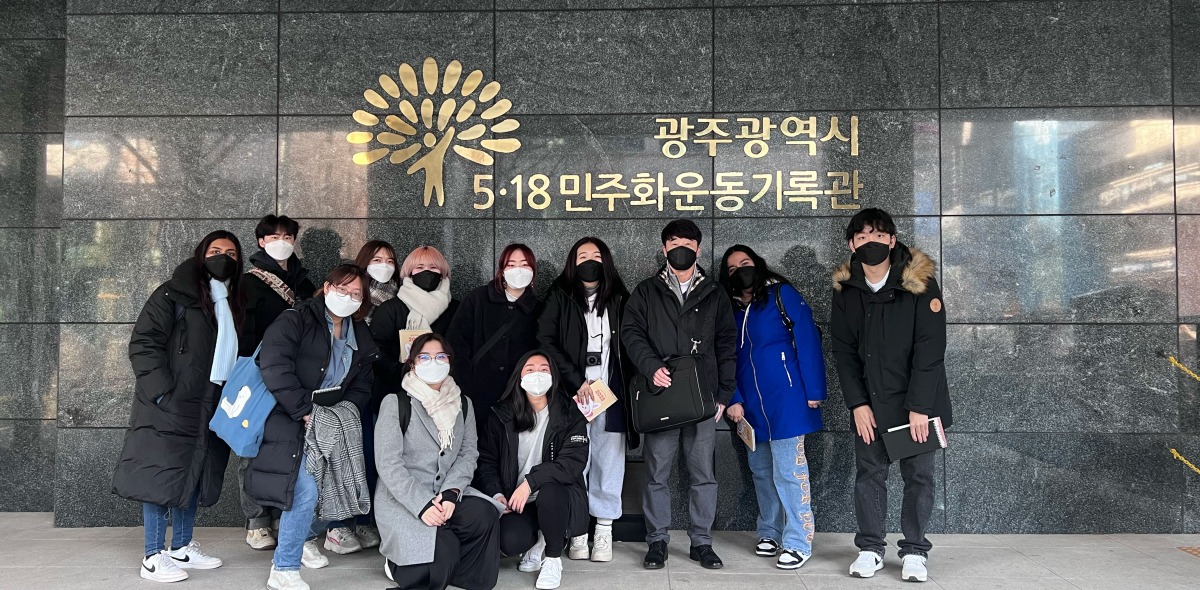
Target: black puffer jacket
<point x="169" y="451"/>
<point x="564" y="456"/>
<point x="563" y="334"/>
<point x="890" y="346"/>
<point x="263" y="304"/>
<point x="294" y="357"/>
<point x="657" y="326"/>
<point x="483" y="313"/>
<point x="386" y="323"/>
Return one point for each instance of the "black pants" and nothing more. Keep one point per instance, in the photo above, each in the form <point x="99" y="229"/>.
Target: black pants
<point x="549" y="514"/>
<point x="465" y="553"/>
<point x="870" y="499"/>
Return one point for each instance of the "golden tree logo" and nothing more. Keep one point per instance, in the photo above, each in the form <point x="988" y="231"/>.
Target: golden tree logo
<point x="431" y="115"/>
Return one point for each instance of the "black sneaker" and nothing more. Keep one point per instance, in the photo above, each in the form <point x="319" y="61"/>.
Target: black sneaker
<point x="791" y="560"/>
<point x="656" y="557"/>
<point x="766" y="548"/>
<point x="706" y="556"/>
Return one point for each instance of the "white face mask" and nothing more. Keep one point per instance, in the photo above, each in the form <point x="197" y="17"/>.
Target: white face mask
<point x="381" y="271"/>
<point x="433" y="373"/>
<point x="536" y="384"/>
<point x="279" y="249"/>
<point x="340" y="305"/>
<point x="518" y="277"/>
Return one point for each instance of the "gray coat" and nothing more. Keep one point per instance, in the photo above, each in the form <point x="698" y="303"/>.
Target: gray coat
<point x="409" y="477"/>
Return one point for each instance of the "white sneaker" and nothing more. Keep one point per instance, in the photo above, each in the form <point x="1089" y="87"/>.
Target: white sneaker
<point x="285" y="581"/>
<point x="161" y="568"/>
<point x="342" y="541"/>
<point x="312" y="558"/>
<point x="866" y="565"/>
<point x="602" y="546"/>
<point x="532" y="560"/>
<point x="192" y="558"/>
<point x="578" y="548"/>
<point x="260" y="539"/>
<point x="791" y="560"/>
<point x="551" y="575"/>
<point x="368" y="535"/>
<point x="914" y="569"/>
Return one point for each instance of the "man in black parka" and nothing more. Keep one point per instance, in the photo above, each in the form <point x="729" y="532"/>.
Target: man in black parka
<point x="682" y="311"/>
<point x="888" y="329"/>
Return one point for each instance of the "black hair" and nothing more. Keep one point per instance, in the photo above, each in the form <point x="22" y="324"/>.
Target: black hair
<point x="681" y="228"/>
<point x="762" y="276"/>
<point x="610" y="285"/>
<point x="237" y="301"/>
<point x="271" y="224"/>
<point x="524" y="419"/>
<point x="877" y="219"/>
<point x="344" y="274"/>
<point x="411" y="362"/>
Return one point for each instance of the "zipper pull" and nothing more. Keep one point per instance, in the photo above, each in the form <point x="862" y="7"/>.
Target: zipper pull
<point x="783" y="356"/>
<point x="695" y="346"/>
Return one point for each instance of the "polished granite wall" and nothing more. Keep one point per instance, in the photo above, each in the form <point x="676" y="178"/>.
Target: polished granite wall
<point x="1047" y="154"/>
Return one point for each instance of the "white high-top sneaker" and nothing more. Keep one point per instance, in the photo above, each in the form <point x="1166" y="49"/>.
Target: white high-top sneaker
<point x="532" y="560"/>
<point x="551" y="575"/>
<point x="914" y="569"/>
<point x="866" y="565"/>
<point x="285" y="581"/>
<point x="602" y="546"/>
<point x="578" y="548"/>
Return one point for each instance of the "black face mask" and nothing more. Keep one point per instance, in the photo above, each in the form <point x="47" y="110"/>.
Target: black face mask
<point x="872" y="253"/>
<point x="681" y="257"/>
<point x="589" y="271"/>
<point x="427" y="280"/>
<point x="744" y="277"/>
<point x="221" y="266"/>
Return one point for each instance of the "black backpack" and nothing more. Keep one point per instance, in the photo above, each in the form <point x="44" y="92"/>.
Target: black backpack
<point x="404" y="410"/>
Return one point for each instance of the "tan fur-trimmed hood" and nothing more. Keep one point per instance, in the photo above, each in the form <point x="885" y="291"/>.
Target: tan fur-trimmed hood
<point x="917" y="272"/>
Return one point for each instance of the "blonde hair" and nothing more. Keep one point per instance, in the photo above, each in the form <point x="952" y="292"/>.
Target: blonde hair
<point x="425" y="255"/>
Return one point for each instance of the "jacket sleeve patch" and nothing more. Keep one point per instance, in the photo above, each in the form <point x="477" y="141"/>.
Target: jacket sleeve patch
<point x="578" y="438"/>
<point x="935" y="305"/>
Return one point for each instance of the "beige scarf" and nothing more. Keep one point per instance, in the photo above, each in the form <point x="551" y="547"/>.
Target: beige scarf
<point x="424" y="308"/>
<point x="442" y="405"/>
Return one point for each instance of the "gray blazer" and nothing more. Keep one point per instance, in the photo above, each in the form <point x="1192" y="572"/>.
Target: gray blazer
<point x="412" y="470"/>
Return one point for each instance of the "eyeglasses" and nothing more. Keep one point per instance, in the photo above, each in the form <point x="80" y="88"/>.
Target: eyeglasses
<point x="344" y="291"/>
<point x="440" y="358"/>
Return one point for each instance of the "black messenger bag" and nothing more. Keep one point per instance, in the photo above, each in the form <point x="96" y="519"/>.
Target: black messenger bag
<point x="686" y="401"/>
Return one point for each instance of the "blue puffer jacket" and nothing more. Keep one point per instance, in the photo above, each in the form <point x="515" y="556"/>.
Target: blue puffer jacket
<point x="774" y="383"/>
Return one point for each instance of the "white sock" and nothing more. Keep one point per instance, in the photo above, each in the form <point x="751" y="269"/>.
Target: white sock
<point x="604" y="525"/>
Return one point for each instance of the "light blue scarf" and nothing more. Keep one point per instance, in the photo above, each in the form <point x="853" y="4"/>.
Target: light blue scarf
<point x="227" y="339"/>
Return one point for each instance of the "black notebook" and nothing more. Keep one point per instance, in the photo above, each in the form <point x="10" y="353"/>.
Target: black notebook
<point x="327" y="397"/>
<point x="900" y="445"/>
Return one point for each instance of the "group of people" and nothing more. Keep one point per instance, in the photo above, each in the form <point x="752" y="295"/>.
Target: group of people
<point x="473" y="444"/>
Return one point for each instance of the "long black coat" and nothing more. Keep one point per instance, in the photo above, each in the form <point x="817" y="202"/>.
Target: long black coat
<point x="387" y="321"/>
<point x="482" y="313"/>
<point x="263" y="304"/>
<point x="563" y="334"/>
<point x="890" y="346"/>
<point x="169" y="451"/>
<point x="295" y="354"/>
<point x="656" y="326"/>
<point x="564" y="457"/>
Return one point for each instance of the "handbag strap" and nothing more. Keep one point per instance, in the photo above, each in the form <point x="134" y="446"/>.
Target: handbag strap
<point x="496" y="336"/>
<point x="787" y="321"/>
<point x="276" y="284"/>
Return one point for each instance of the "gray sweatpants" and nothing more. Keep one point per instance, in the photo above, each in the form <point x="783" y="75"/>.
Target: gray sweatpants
<point x="605" y="470"/>
<point x="698" y="441"/>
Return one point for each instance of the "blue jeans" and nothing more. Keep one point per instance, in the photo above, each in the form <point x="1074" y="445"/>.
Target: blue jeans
<point x="298" y="525"/>
<point x="154" y="521"/>
<point x="784" y="493"/>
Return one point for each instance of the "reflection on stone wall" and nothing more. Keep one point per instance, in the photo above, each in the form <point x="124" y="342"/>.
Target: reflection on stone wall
<point x="1046" y="154"/>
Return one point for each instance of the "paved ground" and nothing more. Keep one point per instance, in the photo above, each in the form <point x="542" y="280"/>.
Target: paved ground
<point x="37" y="556"/>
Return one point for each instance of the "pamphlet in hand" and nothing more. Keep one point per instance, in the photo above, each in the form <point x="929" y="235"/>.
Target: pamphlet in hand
<point x="407" y="337"/>
<point x="602" y="399"/>
<point x="746" y="432"/>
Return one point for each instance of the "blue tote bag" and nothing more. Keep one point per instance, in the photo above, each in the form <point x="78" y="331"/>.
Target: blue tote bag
<point x="243" y="409"/>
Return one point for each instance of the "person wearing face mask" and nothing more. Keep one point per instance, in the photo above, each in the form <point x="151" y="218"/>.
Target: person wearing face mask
<point x="580" y="330"/>
<point x="494" y="327"/>
<point x="378" y="259"/>
<point x="681" y="311"/>
<point x="888" y="335"/>
<point x="436" y="529"/>
<point x="321" y="344"/>
<point x="422" y="302"/>
<point x="532" y="455"/>
<point x="780" y="387"/>
<point x="274" y="282"/>
<point x="182" y="349"/>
